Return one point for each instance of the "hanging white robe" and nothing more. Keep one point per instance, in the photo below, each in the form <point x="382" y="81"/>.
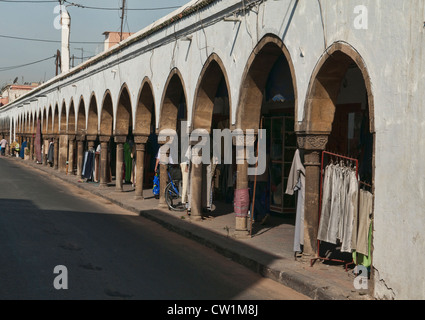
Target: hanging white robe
<point x="325" y="213"/>
<point x="296" y="183"/>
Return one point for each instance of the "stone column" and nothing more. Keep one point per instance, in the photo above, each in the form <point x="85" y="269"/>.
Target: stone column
<point x="313" y="145"/>
<point x="196" y="191"/>
<point x="71" y="140"/>
<point x="31" y="147"/>
<point x="80" y="154"/>
<point x="56" y="152"/>
<point x="104" y="140"/>
<point x="63" y="152"/>
<point x="119" y="140"/>
<point x="241" y="225"/>
<point x="196" y="178"/>
<point x="45" y="149"/>
<point x="140" y="160"/>
<point x="163" y="178"/>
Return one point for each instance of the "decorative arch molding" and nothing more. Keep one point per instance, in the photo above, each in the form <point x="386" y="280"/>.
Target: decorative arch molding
<point x="145" y="109"/>
<point x="80" y="117"/>
<point x="106" y="115"/>
<point x="55" y="119"/>
<point x="63" y="118"/>
<point x="124" y="111"/>
<point x="171" y="97"/>
<point x="255" y="77"/>
<point x="71" y="118"/>
<point x="325" y="84"/>
<point x="92" y="115"/>
<point x="206" y="89"/>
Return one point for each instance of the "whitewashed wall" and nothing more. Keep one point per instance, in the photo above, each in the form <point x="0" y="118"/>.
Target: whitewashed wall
<point x="392" y="49"/>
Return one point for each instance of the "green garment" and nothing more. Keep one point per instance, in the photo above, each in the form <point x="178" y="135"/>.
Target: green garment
<point x="128" y="162"/>
<point x="361" y="258"/>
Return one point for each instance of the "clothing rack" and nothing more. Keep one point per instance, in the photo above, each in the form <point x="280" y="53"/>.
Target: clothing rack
<point x="339" y="157"/>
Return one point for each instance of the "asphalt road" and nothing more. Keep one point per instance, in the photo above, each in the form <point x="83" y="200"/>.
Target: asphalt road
<point x="107" y="252"/>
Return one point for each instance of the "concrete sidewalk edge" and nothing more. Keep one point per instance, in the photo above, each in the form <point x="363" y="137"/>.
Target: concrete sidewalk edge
<point x="300" y="282"/>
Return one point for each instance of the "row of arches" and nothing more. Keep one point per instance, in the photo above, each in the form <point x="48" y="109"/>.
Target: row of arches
<point x="268" y="98"/>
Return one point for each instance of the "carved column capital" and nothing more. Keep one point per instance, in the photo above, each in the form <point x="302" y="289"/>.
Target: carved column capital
<point x="312" y="141"/>
<point x="140" y="139"/>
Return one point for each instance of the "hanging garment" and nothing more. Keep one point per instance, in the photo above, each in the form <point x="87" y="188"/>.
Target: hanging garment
<point x="365" y="214"/>
<point x="345" y="184"/>
<point x="365" y="260"/>
<point x="326" y="203"/>
<point x="84" y="163"/>
<point x="337" y="194"/>
<point x="88" y="172"/>
<point x="50" y="153"/>
<point x="296" y="184"/>
<point x="22" y="152"/>
<point x="185" y="178"/>
<point x="350" y="213"/>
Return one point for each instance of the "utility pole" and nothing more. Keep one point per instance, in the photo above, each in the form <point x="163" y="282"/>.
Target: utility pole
<point x="122" y="17"/>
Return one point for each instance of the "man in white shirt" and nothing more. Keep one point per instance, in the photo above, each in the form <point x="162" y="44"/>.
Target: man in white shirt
<point x="3" y="144"/>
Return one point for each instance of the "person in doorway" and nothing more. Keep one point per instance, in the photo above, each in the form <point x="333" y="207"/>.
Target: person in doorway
<point x="3" y="144"/>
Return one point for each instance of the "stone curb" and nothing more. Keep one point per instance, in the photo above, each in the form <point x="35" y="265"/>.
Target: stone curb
<point x="302" y="283"/>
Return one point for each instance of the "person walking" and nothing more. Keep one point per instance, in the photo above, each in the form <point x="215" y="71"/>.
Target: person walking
<point x="3" y="144"/>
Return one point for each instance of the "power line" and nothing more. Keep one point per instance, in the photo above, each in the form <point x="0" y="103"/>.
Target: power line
<point x="28" y="1"/>
<point x="48" y="40"/>
<point x="88" y="7"/>
<point x="106" y="8"/>
<point x="26" y="64"/>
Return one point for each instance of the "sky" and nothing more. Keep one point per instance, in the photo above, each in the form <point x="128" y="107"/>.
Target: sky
<point x="36" y="20"/>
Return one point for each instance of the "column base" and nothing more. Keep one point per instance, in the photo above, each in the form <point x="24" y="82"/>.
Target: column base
<point x="195" y="218"/>
<point x="242" y="234"/>
<point x="139" y="198"/>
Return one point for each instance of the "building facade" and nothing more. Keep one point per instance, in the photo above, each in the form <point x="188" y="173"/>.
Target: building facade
<point x="320" y="76"/>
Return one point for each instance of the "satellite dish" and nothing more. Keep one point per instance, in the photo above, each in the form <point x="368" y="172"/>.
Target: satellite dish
<point x="16" y="80"/>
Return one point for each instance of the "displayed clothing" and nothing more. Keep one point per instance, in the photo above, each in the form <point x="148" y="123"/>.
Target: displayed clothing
<point x="365" y="213"/>
<point x="50" y="152"/>
<point x="185" y="179"/>
<point x="22" y="151"/>
<point x="339" y="206"/>
<point x="89" y="165"/>
<point x="365" y="260"/>
<point x="296" y="184"/>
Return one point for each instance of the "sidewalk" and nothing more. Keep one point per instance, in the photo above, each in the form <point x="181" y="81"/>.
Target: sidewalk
<point x="268" y="252"/>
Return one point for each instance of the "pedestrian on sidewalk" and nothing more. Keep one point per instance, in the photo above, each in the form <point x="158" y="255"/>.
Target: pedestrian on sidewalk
<point x="13" y="146"/>
<point x="3" y="145"/>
